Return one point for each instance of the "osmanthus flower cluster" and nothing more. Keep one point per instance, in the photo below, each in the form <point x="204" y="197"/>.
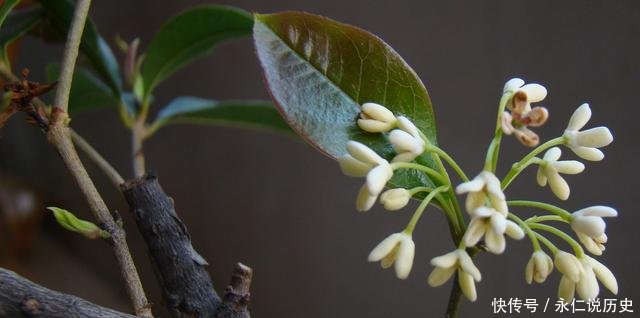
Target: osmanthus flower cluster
<point x="491" y="216"/>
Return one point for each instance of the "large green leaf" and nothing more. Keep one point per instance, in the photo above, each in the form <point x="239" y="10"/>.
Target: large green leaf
<point x="189" y="35"/>
<point x="320" y="71"/>
<point x="249" y="113"/>
<point x="93" y="46"/>
<point x="14" y="25"/>
<point x="87" y="91"/>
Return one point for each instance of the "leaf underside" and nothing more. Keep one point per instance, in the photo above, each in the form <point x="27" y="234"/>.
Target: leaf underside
<point x="320" y="71"/>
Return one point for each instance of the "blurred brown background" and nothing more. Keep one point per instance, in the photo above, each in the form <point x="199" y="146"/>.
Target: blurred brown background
<point x="276" y="204"/>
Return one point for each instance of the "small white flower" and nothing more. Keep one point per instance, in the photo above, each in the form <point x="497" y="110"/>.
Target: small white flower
<point x="538" y="268"/>
<point x="376" y="118"/>
<point x="398" y="248"/>
<point x="483" y="187"/>
<point x="522" y="115"/>
<point x="395" y="199"/>
<point x="362" y="161"/>
<point x="550" y="170"/>
<point x="446" y="265"/>
<point x="585" y="143"/>
<point x="590" y="227"/>
<point x="586" y="284"/>
<point x="568" y="265"/>
<point x="359" y="159"/>
<point x="493" y="225"/>
<point x="406" y="141"/>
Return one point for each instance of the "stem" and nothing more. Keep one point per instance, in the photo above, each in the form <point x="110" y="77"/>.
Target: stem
<point x="552" y="247"/>
<point x="544" y="206"/>
<point x="71" y="49"/>
<point x="423" y="205"/>
<point x="545" y="218"/>
<point x="454" y="298"/>
<point x="59" y="135"/>
<point x="104" y="165"/>
<point x="577" y="249"/>
<point x="449" y="160"/>
<point x="137" y="140"/>
<point x="491" y="159"/>
<point x="520" y="165"/>
<point x="410" y="165"/>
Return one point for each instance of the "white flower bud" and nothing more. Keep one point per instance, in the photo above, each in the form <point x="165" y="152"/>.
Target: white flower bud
<point x="406" y="141"/>
<point x="589" y="226"/>
<point x="398" y="249"/>
<point x="568" y="265"/>
<point x="395" y="199"/>
<point x="539" y="267"/>
<point x="585" y="143"/>
<point x="549" y="171"/>
<point x="446" y="265"/>
<point x="485" y="186"/>
<point x="376" y="118"/>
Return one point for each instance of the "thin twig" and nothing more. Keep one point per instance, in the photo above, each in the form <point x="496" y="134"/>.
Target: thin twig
<point x="103" y="164"/>
<point x="60" y="136"/>
<point x="71" y="49"/>
<point x="137" y="153"/>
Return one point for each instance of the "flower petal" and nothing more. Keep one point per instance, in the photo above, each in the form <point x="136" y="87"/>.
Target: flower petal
<point x="569" y="166"/>
<point x="403" y="141"/>
<point x="446" y="260"/>
<point x="541" y="178"/>
<point x="558" y="185"/>
<point x="385" y="247"/>
<point x="566" y="290"/>
<point x="363" y="153"/>
<point x="405" y="124"/>
<point x="598" y="210"/>
<point x="377" y="178"/>
<point x="604" y="275"/>
<point x="592" y="226"/>
<point x="440" y="275"/>
<point x="514" y="231"/>
<point x="580" y="117"/>
<point x="475" y="185"/>
<point x="474" y="233"/>
<point x="404" y="259"/>
<point x="535" y="92"/>
<point x="594" y="137"/>
<point x="352" y="167"/>
<point x="467" y="285"/>
<point x="374" y="126"/>
<point x="586" y="153"/>
<point x="378" y="112"/>
<point x="512" y="84"/>
<point x="365" y="201"/>
<point x="552" y="154"/>
<point x="587" y="287"/>
<point x="495" y="242"/>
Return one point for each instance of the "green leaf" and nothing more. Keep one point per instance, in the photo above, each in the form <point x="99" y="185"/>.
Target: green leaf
<point x="87" y="91"/>
<point x="189" y="35"/>
<point x="93" y="46"/>
<point x="320" y="71"/>
<point x="70" y="222"/>
<point x="14" y="25"/>
<point x="246" y="113"/>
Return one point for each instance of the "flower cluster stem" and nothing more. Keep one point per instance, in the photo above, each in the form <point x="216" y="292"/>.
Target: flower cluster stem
<point x="577" y="249"/>
<point x="526" y="161"/>
<point x="543" y="206"/>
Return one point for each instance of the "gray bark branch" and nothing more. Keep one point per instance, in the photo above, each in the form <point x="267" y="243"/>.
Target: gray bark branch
<point x="20" y="297"/>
